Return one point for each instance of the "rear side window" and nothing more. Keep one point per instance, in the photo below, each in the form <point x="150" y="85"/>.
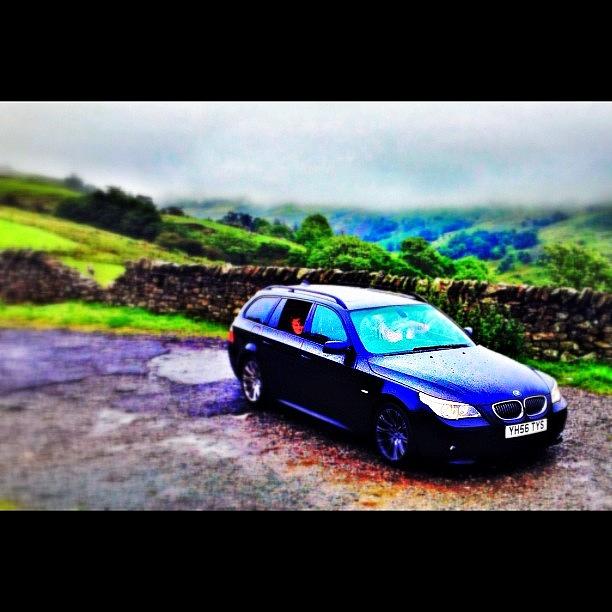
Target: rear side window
<point x="293" y="316"/>
<point x="326" y="325"/>
<point x="260" y="309"/>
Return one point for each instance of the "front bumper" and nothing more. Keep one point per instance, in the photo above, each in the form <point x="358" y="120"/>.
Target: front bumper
<point x="436" y="439"/>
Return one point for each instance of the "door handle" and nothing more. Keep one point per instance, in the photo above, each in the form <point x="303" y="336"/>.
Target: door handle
<point x="266" y="342"/>
<point x="305" y="356"/>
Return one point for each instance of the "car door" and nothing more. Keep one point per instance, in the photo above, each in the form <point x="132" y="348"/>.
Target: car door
<point x="251" y="331"/>
<point x="280" y="349"/>
<point x="334" y="387"/>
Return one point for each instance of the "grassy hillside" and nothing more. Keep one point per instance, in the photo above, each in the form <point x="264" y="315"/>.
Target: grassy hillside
<point x="39" y="194"/>
<point x="587" y="228"/>
<point x="237" y="245"/>
<point x="79" y="246"/>
<point x="27" y="204"/>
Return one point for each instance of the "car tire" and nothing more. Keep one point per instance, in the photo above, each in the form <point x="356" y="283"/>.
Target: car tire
<point x="393" y="438"/>
<point x="252" y="383"/>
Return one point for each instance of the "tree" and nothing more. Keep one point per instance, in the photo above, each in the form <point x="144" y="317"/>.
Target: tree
<point x="116" y="211"/>
<point x="574" y="266"/>
<point x="280" y="230"/>
<point x="239" y="219"/>
<point x="313" y="228"/>
<point x="507" y="263"/>
<point x="352" y="253"/>
<point x="74" y="182"/>
<point x="420" y="255"/>
<point x="524" y="257"/>
<point x="177" y="211"/>
<point x="471" y="268"/>
<point x="261" y="226"/>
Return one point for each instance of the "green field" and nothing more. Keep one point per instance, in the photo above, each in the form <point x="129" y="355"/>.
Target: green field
<point x="91" y="317"/>
<point x="34" y="193"/>
<point x="79" y="246"/>
<point x="19" y="236"/>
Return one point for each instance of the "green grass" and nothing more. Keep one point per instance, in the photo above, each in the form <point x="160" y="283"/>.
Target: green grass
<point x="590" y="376"/>
<point x="19" y="236"/>
<point x="81" y="316"/>
<point x="103" y="273"/>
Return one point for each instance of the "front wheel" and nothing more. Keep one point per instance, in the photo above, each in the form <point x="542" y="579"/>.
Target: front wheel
<point x="252" y="382"/>
<point x="392" y="434"/>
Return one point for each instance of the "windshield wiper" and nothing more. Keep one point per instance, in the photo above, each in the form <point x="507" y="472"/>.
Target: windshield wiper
<point x="438" y="347"/>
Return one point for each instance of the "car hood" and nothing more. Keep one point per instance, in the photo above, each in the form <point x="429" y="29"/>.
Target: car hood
<point x="472" y="374"/>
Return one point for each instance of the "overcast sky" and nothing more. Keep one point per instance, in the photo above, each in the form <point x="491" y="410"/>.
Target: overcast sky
<point x="373" y="154"/>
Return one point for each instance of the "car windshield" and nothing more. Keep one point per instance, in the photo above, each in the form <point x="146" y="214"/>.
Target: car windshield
<point x="407" y="328"/>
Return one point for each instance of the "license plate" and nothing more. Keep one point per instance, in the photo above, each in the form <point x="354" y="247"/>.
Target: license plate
<point x="526" y="429"/>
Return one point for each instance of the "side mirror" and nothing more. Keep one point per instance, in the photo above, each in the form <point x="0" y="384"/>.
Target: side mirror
<point x="469" y="331"/>
<point x="336" y="346"/>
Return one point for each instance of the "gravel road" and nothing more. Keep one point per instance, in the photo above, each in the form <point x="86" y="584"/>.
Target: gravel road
<point x="90" y="421"/>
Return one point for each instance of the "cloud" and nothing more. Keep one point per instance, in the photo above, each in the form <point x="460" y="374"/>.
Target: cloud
<point x="371" y="154"/>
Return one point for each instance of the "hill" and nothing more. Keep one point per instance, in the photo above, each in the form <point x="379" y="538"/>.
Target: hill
<point x="35" y="193"/>
<point x="589" y="226"/>
<point x="28" y="222"/>
<point x="79" y="246"/>
<point x="234" y="244"/>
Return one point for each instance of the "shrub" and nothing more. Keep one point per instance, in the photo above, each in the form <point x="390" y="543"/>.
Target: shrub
<point x="471" y="268"/>
<point x="272" y="253"/>
<point x="175" y="242"/>
<point x="492" y="323"/>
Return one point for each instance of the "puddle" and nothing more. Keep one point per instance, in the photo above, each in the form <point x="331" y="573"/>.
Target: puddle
<point x="191" y="367"/>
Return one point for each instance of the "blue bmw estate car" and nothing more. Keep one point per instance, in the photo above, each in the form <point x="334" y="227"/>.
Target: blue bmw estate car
<point x="393" y="367"/>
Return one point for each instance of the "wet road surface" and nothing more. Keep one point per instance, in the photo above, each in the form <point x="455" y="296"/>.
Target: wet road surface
<point x="89" y="421"/>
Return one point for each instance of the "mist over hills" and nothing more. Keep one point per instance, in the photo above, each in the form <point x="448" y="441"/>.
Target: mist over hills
<point x="389" y="227"/>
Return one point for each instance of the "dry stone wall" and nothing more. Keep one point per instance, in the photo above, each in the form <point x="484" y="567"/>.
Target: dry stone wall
<point x="560" y="322"/>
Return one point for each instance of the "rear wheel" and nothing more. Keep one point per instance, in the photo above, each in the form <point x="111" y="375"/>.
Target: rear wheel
<point x="392" y="434"/>
<point x="252" y="382"/>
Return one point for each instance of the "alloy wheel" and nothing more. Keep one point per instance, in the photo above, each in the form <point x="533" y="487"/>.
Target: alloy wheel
<point x="392" y="434"/>
<point x="251" y="381"/>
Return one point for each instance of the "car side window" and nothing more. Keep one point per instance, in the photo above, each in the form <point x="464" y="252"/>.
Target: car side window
<point x="293" y="316"/>
<point x="260" y="309"/>
<point x="326" y="325"/>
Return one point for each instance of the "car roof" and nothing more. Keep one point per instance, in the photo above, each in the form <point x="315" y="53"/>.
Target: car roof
<point x="352" y="298"/>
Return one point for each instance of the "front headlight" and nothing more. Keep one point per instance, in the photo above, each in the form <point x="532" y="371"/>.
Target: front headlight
<point x="447" y="409"/>
<point x="555" y="394"/>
